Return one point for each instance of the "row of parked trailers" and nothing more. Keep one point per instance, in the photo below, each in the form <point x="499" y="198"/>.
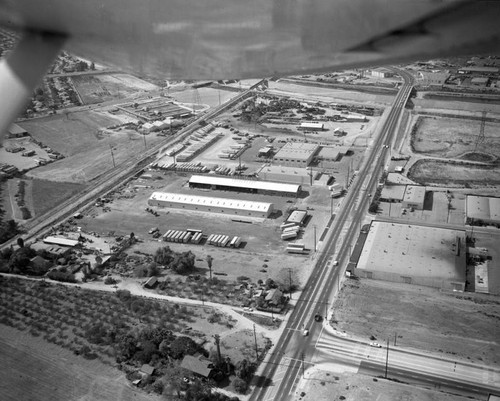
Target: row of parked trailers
<point x="289" y="230"/>
<point x="192" y="236"/>
<point x="224" y="240"/>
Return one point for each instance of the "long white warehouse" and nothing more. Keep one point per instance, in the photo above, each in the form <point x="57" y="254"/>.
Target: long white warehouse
<point x="210" y="204"/>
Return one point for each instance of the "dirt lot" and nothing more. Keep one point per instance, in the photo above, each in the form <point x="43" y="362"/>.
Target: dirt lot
<point x="37" y="370"/>
<point x="319" y="385"/>
<point x="328" y="94"/>
<point x="17" y="159"/>
<point x="436" y="172"/>
<point x="209" y="96"/>
<point x="101" y="88"/>
<point x="462" y="325"/>
<point x="455" y="138"/>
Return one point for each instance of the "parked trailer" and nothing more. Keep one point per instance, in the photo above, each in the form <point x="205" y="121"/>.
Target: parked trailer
<point x="296" y="245"/>
<point x="296" y="250"/>
<point x="289" y="235"/>
<point x="210" y="239"/>
<point x="196" y="238"/>
<point x="224" y="241"/>
<point x="178" y="236"/>
<point x="291" y="229"/>
<point x="219" y="240"/>
<point x="235" y="242"/>
<point x="187" y="237"/>
<point x="194" y="231"/>
<point x="165" y="236"/>
<point x="287" y="225"/>
<point x="216" y="239"/>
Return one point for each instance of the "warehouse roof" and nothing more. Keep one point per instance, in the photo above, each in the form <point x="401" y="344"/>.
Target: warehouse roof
<point x="249" y="184"/>
<point x="413" y="250"/>
<point x="332" y="152"/>
<point x="414" y="194"/>
<point x="483" y="208"/>
<point x="209" y="201"/>
<point x="297" y="150"/>
<point x="60" y="241"/>
<point x="393" y="192"/>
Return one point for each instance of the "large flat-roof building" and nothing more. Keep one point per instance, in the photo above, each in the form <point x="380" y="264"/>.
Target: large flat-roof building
<point x="412" y="254"/>
<point x="393" y="193"/>
<point x="328" y="155"/>
<point x="252" y="186"/>
<point x="482" y="210"/>
<point x="292" y="175"/>
<point x="296" y="154"/>
<point x="210" y="204"/>
<point x="414" y="197"/>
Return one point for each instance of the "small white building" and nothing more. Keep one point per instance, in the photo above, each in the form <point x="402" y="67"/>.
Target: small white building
<point x="313" y="126"/>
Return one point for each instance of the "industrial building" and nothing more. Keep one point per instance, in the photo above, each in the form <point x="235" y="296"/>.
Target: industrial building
<point x="433" y="78"/>
<point x="252" y="186"/>
<point x="328" y="155"/>
<point x="412" y="254"/>
<point x="381" y="72"/>
<point x="210" y="204"/>
<point x="296" y="154"/>
<point x="15" y="131"/>
<point x="414" y="197"/>
<point x="294" y="175"/>
<point x="60" y="241"/>
<point x="392" y="193"/>
<point x="482" y="210"/>
<point x="311" y="126"/>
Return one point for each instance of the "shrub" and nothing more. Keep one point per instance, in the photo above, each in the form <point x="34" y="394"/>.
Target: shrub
<point x="240" y="385"/>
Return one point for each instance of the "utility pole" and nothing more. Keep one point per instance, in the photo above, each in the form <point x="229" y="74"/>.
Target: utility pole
<point x="144" y="137"/>
<point x="387" y="360"/>
<point x="290" y="277"/>
<point x="314" y="238"/>
<point x="331" y="205"/>
<point x="326" y="309"/>
<point x="303" y="372"/>
<point x="395" y="336"/>
<point x="256" y="348"/>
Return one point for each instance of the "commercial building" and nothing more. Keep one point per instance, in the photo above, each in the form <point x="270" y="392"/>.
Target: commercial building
<point x="15" y="131"/>
<point x="414" y="197"/>
<point x="212" y="205"/>
<point x="393" y="193"/>
<point x="296" y="154"/>
<point x="412" y="254"/>
<point x="433" y="78"/>
<point x="482" y="210"/>
<point x="252" y="186"/>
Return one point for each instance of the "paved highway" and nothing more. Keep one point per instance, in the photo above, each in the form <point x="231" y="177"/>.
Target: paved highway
<point x="293" y="352"/>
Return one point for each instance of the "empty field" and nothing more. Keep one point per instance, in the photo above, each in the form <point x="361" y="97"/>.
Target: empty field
<point x="456" y="138"/>
<point x="208" y="96"/>
<point x="459" y="324"/>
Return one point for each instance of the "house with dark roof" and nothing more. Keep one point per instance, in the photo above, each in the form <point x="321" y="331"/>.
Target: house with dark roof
<point x="198" y="365"/>
<point x="273" y="297"/>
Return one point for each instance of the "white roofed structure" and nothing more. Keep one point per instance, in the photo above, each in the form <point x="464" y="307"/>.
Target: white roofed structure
<point x="211" y="204"/>
<point x="482" y="210"/>
<point x="255" y="186"/>
<point x="60" y="241"/>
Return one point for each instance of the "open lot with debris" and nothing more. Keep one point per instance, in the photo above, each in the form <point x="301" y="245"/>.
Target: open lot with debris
<point x="460" y="325"/>
<point x="457" y="138"/>
<point x="450" y="174"/>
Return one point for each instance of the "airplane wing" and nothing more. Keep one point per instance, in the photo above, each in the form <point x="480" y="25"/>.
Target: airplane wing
<point x="213" y="39"/>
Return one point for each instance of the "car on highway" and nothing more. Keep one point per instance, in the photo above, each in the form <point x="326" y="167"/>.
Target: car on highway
<point x="318" y="317"/>
<point x="335" y="262"/>
<point x="376" y="345"/>
<point x="305" y="333"/>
